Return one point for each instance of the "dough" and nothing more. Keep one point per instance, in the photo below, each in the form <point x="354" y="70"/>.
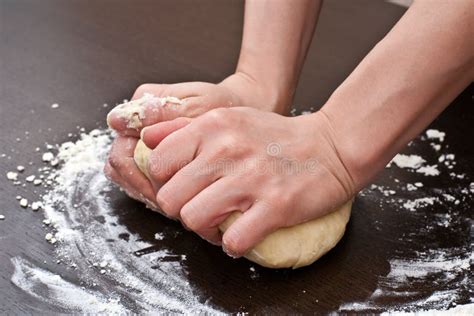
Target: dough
<point x="291" y="247"/>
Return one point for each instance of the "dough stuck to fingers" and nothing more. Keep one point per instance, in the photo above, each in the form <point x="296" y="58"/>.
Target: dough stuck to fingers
<point x="133" y="112"/>
<point x="290" y="247"/>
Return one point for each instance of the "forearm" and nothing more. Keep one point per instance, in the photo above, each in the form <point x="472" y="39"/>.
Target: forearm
<point x="276" y="37"/>
<point x="408" y="79"/>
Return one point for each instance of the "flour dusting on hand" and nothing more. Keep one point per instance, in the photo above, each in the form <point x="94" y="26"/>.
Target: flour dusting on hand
<point x="134" y="111"/>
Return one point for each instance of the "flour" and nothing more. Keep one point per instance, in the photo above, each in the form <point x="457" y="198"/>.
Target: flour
<point x="467" y="310"/>
<point x="447" y="271"/>
<point x="407" y="161"/>
<point x="435" y="134"/>
<point x="23" y="202"/>
<point x="112" y="279"/>
<point x="13" y="176"/>
<point x="443" y="266"/>
<point x="429" y="170"/>
<point x="47" y="156"/>
<point x="413" y="205"/>
<point x="53" y="289"/>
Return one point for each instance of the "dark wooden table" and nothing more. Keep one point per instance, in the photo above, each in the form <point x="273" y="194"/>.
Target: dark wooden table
<point x="81" y="54"/>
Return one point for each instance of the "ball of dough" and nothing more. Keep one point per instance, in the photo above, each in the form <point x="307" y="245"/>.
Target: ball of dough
<point x="290" y="247"/>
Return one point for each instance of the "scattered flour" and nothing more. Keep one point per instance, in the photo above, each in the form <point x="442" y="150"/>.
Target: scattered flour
<point x="435" y="134"/>
<point x="407" y="161"/>
<point x="113" y="280"/>
<point x="13" y="176"/>
<point x="445" y="267"/>
<point x="47" y="156"/>
<point x="55" y="290"/>
<point x="439" y="210"/>
<point x="23" y="203"/>
<point x="429" y="170"/>
<point x="413" y="205"/>
<point x="461" y="310"/>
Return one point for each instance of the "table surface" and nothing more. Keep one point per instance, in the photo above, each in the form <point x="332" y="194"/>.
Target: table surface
<point x="81" y="54"/>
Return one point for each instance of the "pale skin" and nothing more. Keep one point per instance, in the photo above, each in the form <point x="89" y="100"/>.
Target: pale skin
<point x="407" y="80"/>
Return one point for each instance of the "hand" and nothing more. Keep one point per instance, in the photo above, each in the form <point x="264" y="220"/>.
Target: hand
<point x="199" y="97"/>
<point x="121" y="169"/>
<point x="278" y="171"/>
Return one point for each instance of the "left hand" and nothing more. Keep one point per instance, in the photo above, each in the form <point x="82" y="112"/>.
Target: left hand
<point x="279" y="171"/>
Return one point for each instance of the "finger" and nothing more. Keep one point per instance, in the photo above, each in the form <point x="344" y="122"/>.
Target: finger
<point x="153" y="135"/>
<point x="128" y="119"/>
<point x="211" y="235"/>
<point x="249" y="229"/>
<point x="172" y="153"/>
<point x="152" y="88"/>
<point x="155" y="112"/>
<point x="136" y="179"/>
<point x="195" y="106"/>
<point x="117" y="179"/>
<point x="210" y="206"/>
<point x="183" y="90"/>
<point x="185" y="184"/>
<point x="122" y="161"/>
<point x="113" y="176"/>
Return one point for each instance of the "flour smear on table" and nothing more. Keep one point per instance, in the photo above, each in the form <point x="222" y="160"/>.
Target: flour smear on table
<point x="113" y="280"/>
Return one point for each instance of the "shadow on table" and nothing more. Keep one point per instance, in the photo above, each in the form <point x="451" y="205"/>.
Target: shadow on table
<point x="348" y="273"/>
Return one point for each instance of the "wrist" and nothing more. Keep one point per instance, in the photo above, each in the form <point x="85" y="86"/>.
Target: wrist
<point x="323" y="145"/>
<point x="361" y="155"/>
<point x="249" y="91"/>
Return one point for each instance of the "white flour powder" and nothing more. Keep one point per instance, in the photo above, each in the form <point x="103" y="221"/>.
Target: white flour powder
<point x="111" y="282"/>
<point x="447" y="269"/>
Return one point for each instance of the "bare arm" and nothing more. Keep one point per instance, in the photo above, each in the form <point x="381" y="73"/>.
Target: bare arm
<point x="407" y="80"/>
<point x="277" y="34"/>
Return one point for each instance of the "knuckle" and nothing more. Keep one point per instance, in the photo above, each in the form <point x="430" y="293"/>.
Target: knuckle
<point x="231" y="141"/>
<point x="114" y="161"/>
<point x="215" y="118"/>
<point x="279" y="200"/>
<point x="227" y="147"/>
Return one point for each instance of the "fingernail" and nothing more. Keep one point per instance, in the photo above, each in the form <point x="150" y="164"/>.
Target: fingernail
<point x="229" y="252"/>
